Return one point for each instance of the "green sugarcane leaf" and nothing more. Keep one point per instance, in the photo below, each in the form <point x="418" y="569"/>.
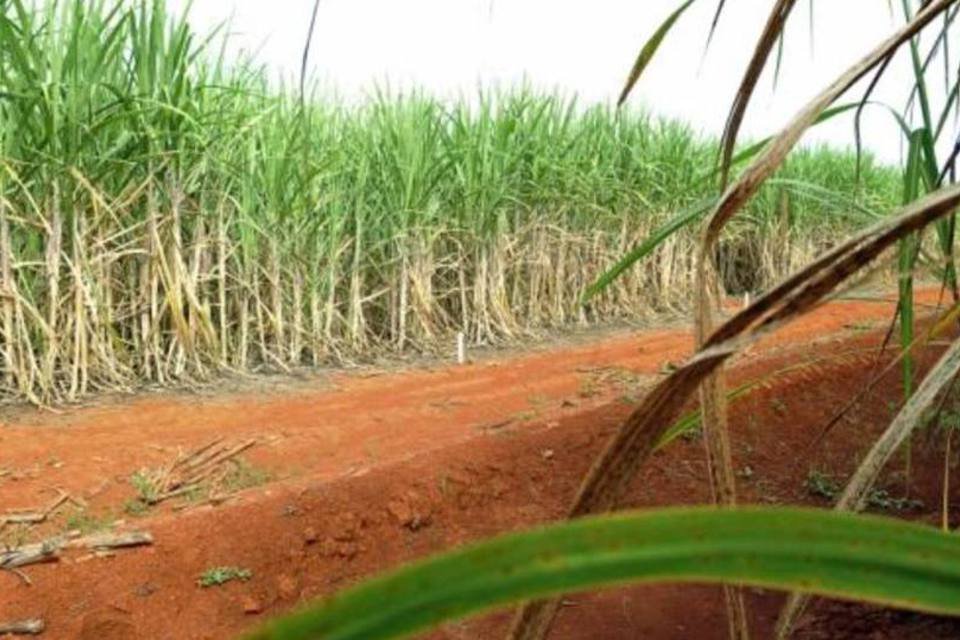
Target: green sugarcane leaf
<point x="868" y="558"/>
<point x="686" y="217"/>
<point x="650" y="49"/>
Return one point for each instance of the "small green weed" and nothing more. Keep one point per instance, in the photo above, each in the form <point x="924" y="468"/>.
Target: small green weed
<point x="881" y="499"/>
<point x="244" y="475"/>
<point x="135" y="507"/>
<point x="949" y="419"/>
<point x="87" y="523"/>
<point x="216" y="576"/>
<point x="821" y="485"/>
<point x="824" y="486"/>
<point x="145" y="487"/>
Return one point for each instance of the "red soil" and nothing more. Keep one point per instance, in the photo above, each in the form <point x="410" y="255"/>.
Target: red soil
<point x="380" y="470"/>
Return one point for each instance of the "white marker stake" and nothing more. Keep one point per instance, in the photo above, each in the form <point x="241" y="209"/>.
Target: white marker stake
<point x="461" y="348"/>
<point x="746" y="300"/>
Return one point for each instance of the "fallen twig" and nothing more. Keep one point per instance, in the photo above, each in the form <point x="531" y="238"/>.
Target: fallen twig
<point x="183" y="490"/>
<point x="207" y="468"/>
<point x="24" y="578"/>
<point x="38" y="516"/>
<point x="27" y="517"/>
<point x="49" y="550"/>
<point x="188" y="473"/>
<point x="62" y="499"/>
<point x="192" y="459"/>
<point x="46" y="551"/>
<point x="22" y="628"/>
<point x="103" y="541"/>
<point x="495" y="426"/>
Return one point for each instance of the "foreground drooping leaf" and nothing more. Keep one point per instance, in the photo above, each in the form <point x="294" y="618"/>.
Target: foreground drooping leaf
<point x="868" y="558"/>
<point x="633" y="443"/>
<point x="712" y="386"/>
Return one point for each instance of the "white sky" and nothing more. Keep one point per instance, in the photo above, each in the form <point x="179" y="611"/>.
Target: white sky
<point x="450" y="47"/>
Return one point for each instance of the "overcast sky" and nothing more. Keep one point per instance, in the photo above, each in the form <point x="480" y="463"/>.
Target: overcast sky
<point x="586" y="47"/>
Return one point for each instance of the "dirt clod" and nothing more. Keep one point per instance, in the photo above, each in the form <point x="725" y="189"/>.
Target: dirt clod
<point x="332" y="548"/>
<point x="107" y="624"/>
<point x="251" y="605"/>
<point x="407" y="515"/>
<point x="347" y="527"/>
<point x="288" y="587"/>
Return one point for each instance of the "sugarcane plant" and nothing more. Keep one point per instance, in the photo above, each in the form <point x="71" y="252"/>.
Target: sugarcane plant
<point x="168" y="215"/>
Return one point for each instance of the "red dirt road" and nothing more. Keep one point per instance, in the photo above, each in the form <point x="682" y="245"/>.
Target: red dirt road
<point x="379" y="470"/>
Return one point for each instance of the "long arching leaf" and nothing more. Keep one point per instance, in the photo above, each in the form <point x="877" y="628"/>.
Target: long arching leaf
<point x="683" y="219"/>
<point x="772" y="33"/>
<point x="711" y="387"/>
<point x="873" y="559"/>
<point x="633" y="443"/>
